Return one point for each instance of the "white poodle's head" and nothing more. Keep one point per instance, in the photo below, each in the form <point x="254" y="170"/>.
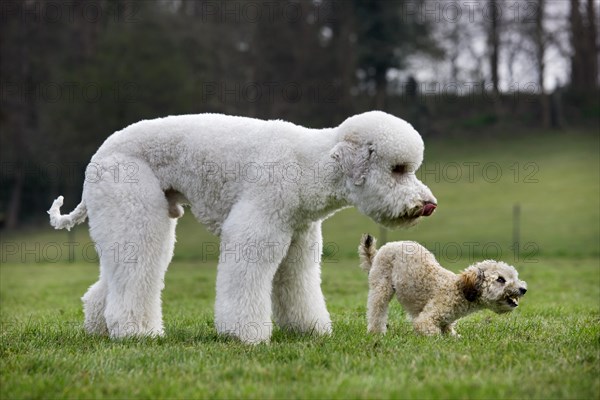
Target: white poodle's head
<point x="494" y="284"/>
<point x="379" y="155"/>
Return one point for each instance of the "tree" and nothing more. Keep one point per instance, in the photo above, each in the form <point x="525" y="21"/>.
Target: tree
<point x="494" y="43"/>
<point x="584" y="59"/>
<point x="386" y="37"/>
<point x="540" y="50"/>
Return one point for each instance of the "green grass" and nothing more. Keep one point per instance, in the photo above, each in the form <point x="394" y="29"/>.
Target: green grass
<point x="548" y="348"/>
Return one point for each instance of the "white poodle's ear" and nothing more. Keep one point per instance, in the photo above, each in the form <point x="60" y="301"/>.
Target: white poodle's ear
<point x="471" y="281"/>
<point x="354" y="159"/>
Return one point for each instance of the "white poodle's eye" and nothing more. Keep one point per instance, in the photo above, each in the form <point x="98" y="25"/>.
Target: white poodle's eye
<point x="501" y="280"/>
<point x="399" y="169"/>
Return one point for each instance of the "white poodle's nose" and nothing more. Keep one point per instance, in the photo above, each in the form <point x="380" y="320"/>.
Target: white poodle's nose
<point x="428" y="209"/>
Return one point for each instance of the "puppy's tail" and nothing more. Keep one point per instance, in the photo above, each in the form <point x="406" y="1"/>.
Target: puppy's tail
<point x="58" y="221"/>
<point x="367" y="251"/>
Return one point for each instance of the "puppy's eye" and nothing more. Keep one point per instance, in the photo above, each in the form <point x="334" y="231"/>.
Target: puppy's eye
<point x="501" y="279"/>
<point x="399" y="169"/>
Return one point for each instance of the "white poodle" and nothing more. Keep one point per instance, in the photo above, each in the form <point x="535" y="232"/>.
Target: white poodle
<point x="433" y="297"/>
<point x="263" y="186"/>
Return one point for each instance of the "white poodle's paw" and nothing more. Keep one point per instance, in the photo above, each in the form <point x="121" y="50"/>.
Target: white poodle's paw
<point x="248" y="332"/>
<point x="94" y="306"/>
<point x="322" y="326"/>
<point x="125" y="329"/>
<point x="129" y="331"/>
<point x="97" y="327"/>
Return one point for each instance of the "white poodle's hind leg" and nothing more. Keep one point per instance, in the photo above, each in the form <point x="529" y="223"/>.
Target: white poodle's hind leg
<point x="136" y="280"/>
<point x="94" y="304"/>
<point x="298" y="301"/>
<point x="135" y="239"/>
<point x="251" y="251"/>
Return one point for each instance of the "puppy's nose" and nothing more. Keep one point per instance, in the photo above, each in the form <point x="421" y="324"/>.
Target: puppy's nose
<point x="428" y="209"/>
<point x="522" y="291"/>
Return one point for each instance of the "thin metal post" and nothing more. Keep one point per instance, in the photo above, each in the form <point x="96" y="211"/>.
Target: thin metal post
<point x="71" y="241"/>
<point x="516" y="230"/>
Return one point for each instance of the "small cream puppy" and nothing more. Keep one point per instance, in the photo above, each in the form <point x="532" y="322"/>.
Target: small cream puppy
<point x="433" y="297"/>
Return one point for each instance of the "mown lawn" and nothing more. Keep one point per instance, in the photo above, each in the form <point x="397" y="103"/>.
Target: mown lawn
<point x="548" y="348"/>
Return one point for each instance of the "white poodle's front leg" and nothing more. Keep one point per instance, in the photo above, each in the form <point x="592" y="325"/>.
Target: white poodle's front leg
<point x="298" y="302"/>
<point x="251" y="251"/>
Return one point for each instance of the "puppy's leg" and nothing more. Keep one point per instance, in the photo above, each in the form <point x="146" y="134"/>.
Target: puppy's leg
<point x="298" y="302"/>
<point x="381" y="292"/>
<point x="426" y="323"/>
<point x="252" y="248"/>
<point x="94" y="304"/>
<point x="449" y="330"/>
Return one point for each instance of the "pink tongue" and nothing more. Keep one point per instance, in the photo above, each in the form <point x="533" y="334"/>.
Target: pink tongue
<point x="428" y="209"/>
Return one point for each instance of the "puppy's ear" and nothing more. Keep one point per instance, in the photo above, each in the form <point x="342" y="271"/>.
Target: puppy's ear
<point x="471" y="281"/>
<point x="354" y="159"/>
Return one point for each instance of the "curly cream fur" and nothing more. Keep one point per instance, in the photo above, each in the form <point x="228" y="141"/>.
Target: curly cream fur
<point x="433" y="297"/>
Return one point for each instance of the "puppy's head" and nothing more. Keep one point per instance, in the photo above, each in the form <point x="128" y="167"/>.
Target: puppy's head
<point x="379" y="155"/>
<point x="494" y="284"/>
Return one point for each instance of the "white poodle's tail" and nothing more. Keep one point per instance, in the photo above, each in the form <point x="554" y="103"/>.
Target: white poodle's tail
<point x="58" y="221"/>
<point x="367" y="251"/>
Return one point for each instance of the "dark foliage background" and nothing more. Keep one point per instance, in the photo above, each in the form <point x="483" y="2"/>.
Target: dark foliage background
<point x="73" y="72"/>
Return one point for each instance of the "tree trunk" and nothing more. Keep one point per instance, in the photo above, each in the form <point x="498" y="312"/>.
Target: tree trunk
<point x="14" y="205"/>
<point x="578" y="58"/>
<point x="494" y="46"/>
<point x="593" y="49"/>
<point x="540" y="52"/>
<point x="455" y="40"/>
<point x="344" y="27"/>
<point x="494" y="43"/>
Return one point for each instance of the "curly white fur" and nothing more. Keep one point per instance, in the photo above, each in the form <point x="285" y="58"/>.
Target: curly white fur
<point x="263" y="186"/>
<point x="433" y="297"/>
